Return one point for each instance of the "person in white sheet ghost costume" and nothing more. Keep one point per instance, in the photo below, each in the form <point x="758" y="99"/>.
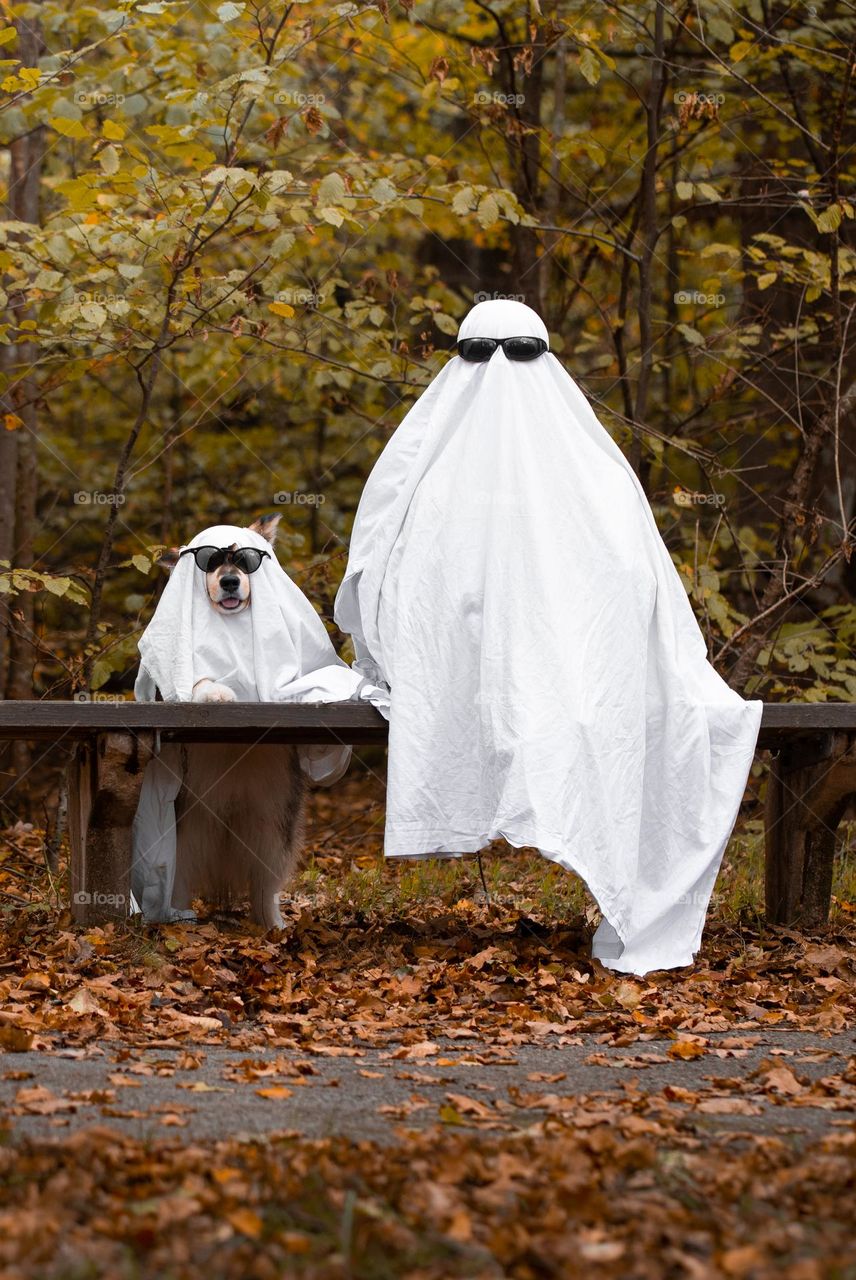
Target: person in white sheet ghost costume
<point x="548" y="680"/>
<point x="276" y="650"/>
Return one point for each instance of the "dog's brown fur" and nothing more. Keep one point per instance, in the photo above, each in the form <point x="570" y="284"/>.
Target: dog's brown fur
<point x="240" y="811"/>
<point x="239" y="826"/>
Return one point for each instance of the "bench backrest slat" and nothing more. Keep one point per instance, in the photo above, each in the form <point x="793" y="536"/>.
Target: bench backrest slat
<point x="193" y="721"/>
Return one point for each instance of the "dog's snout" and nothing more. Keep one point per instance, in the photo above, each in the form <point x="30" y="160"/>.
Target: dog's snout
<point x="230" y="582"/>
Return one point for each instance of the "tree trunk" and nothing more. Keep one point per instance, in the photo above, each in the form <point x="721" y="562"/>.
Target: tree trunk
<point x="18" y="452"/>
<point x="648" y="199"/>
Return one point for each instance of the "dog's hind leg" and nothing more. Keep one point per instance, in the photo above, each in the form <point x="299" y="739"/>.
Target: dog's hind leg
<point x="264" y="901"/>
<point x="272" y="865"/>
<point x="205" y="864"/>
<point x="277" y="844"/>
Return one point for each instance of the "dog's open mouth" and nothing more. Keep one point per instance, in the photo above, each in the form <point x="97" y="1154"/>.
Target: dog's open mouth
<point x="230" y="602"/>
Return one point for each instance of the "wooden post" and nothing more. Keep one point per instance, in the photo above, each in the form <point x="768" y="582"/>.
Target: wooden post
<point x="809" y="786"/>
<point x="104" y="789"/>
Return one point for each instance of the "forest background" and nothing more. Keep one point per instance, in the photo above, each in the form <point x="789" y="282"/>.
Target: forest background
<point x="239" y="239"/>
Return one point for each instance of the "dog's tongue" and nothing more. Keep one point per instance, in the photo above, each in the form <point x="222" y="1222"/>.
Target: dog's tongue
<point x="229" y="602"/>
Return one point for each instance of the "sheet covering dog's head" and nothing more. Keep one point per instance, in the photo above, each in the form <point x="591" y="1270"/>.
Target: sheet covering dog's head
<point x="275" y="650"/>
<point x="228" y="572"/>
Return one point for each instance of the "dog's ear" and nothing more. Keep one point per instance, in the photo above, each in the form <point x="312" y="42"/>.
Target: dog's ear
<point x="267" y="527"/>
<point x="169" y="559"/>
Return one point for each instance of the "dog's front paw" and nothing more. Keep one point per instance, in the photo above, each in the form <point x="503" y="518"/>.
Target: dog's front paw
<point x="210" y="691"/>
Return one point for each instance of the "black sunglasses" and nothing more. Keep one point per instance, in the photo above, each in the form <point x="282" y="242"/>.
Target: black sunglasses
<point x="207" y="559"/>
<point x="477" y="350"/>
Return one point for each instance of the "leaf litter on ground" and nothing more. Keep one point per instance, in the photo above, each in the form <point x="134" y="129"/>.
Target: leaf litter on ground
<point x="428" y="976"/>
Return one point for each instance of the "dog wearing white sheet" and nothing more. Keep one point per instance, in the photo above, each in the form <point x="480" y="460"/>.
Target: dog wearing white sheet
<point x="225" y="821"/>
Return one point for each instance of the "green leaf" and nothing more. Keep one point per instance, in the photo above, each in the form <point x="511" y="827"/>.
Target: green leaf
<point x="462" y="202"/>
<point x="708" y="578"/>
<point x="48" y="279"/>
<point x="829" y="220"/>
<point x="692" y="335"/>
<point x="738" y="51"/>
<point x="118" y="657"/>
<point x="589" y="65"/>
<point x="720" y="30"/>
<point x="331" y="189"/>
<point x="108" y="158"/>
<point x="446" y="324"/>
<point x="488" y="210"/>
<point x="68" y="128"/>
<point x="383" y="191"/>
<point x="711" y="250"/>
<point x="93" y="313"/>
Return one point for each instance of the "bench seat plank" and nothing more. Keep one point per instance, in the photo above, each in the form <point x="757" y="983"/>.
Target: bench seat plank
<point x="356" y="722"/>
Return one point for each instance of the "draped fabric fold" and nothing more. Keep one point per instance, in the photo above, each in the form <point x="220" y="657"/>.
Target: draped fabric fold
<point x="548" y="680"/>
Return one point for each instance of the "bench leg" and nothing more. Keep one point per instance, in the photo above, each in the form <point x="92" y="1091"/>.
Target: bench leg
<point x="104" y="789"/>
<point x="808" y="789"/>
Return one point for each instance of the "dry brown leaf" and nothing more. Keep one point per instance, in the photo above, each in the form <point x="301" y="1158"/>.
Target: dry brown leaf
<point x="729" y="1107"/>
<point x="686" y="1050"/>
<point x="246" y="1222"/>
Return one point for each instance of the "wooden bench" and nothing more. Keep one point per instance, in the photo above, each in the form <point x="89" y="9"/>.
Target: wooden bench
<point x="812" y="778"/>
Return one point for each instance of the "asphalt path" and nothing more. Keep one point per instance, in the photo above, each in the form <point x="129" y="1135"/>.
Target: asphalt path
<point x="212" y="1092"/>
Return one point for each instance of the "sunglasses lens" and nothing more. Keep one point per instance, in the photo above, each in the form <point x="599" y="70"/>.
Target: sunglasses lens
<point x="207" y="558"/>
<point x="523" y="348"/>
<point x="477" y="350"/>
<point x="247" y="560"/>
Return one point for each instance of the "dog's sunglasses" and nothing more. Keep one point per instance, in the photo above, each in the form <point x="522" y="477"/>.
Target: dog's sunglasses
<point x="477" y="350"/>
<point x="247" y="559"/>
